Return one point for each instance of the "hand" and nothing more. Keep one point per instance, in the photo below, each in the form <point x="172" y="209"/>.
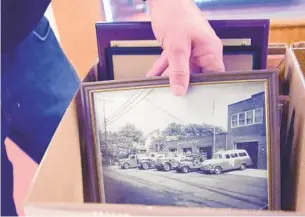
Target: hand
<point x="188" y="41"/>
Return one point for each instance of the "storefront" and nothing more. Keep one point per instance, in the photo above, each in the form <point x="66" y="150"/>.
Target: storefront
<point x="200" y="145"/>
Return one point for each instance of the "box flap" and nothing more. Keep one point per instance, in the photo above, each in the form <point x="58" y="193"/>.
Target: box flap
<point x="296" y="124"/>
<point x="59" y="176"/>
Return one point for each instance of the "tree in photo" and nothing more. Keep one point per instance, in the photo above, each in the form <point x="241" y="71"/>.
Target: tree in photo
<point x="158" y="141"/>
<point x="181" y="131"/>
<point x="174" y="130"/>
<point x="198" y="130"/>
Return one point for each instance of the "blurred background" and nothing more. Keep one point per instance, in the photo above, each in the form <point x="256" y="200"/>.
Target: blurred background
<point x="74" y="26"/>
<point x="119" y="10"/>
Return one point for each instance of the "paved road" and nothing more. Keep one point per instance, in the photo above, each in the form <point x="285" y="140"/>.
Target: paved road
<point x="152" y="187"/>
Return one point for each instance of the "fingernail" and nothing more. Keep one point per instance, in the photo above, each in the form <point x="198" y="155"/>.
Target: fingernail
<point x="178" y="89"/>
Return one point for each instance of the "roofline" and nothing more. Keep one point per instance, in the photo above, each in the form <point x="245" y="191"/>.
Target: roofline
<point x="247" y="99"/>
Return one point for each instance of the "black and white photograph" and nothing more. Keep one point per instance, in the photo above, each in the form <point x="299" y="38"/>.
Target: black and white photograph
<point x="208" y="148"/>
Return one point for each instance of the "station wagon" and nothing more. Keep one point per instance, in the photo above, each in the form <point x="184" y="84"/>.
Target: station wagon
<point x="227" y="160"/>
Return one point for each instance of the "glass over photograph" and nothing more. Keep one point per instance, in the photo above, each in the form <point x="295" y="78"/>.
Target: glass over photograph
<point x="207" y="149"/>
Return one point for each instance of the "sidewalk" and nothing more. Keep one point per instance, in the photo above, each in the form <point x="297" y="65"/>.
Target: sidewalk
<point x="250" y="173"/>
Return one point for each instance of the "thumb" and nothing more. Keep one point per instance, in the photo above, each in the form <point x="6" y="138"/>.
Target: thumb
<point x="179" y="53"/>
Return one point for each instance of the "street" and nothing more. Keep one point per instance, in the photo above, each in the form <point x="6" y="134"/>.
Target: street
<point x="152" y="187"/>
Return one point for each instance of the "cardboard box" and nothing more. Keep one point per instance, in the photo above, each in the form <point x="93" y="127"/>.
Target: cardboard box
<point x="295" y="81"/>
<point x="57" y="188"/>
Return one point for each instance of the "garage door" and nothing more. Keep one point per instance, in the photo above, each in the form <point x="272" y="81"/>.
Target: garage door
<point x="251" y="148"/>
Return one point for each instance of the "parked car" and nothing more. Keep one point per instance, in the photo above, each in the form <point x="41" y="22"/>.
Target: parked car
<point x="168" y="162"/>
<point x="130" y="162"/>
<point x="227" y="160"/>
<point x="191" y="163"/>
<point x="148" y="161"/>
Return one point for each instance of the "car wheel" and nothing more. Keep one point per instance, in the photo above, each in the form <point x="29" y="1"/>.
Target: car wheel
<point x="125" y="166"/>
<point x="196" y="162"/>
<point x="167" y="167"/>
<point x="217" y="170"/>
<point x="145" y="166"/>
<point x="243" y="167"/>
<point x="185" y="169"/>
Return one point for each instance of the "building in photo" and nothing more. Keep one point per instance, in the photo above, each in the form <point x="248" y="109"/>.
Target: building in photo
<point x="205" y="144"/>
<point x="247" y="128"/>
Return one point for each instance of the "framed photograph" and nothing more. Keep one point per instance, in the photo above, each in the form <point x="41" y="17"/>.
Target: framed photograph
<point x="234" y="33"/>
<point x="217" y="146"/>
<point x="118" y="59"/>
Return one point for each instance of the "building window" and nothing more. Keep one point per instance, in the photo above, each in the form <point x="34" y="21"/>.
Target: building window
<point x="241" y="119"/>
<point x="258" y="115"/>
<point x="234" y="121"/>
<point x="246" y="118"/>
<point x="249" y="115"/>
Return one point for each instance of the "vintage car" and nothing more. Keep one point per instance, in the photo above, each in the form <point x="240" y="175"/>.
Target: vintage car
<point x="227" y="160"/>
<point x="168" y="162"/>
<point x="130" y="162"/>
<point x="148" y="161"/>
<point x="142" y="161"/>
<point x="191" y="163"/>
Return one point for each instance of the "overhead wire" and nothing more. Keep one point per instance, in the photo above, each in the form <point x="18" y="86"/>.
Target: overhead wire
<point x="131" y="107"/>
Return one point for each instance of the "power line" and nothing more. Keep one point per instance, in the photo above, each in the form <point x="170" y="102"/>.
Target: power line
<point x="123" y="108"/>
<point x="176" y="116"/>
<point x="124" y="105"/>
<point x="113" y="120"/>
<point x="166" y="112"/>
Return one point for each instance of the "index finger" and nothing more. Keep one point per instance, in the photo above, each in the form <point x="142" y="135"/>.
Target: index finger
<point x="179" y="52"/>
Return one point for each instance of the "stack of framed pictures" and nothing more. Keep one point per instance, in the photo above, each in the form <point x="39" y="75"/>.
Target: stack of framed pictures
<point x="217" y="147"/>
<point x="129" y="48"/>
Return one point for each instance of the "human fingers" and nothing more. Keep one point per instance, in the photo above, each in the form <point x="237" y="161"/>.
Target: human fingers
<point x="159" y="66"/>
<point x="179" y="51"/>
<point x="210" y="63"/>
<point x="208" y="51"/>
<point x="166" y="72"/>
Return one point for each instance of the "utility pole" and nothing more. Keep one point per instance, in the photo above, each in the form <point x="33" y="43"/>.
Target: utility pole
<point x="214" y="129"/>
<point x="105" y="124"/>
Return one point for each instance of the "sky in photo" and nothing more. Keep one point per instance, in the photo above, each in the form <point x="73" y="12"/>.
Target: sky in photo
<point x="150" y="109"/>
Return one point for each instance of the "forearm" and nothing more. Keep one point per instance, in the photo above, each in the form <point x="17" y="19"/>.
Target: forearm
<point x="155" y="6"/>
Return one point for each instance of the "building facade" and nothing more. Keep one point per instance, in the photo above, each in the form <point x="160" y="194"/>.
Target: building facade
<point x="206" y="144"/>
<point x="247" y="128"/>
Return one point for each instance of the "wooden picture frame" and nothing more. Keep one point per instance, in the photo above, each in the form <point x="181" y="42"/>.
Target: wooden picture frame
<point x="234" y="32"/>
<point x="93" y="170"/>
<point x="248" y="59"/>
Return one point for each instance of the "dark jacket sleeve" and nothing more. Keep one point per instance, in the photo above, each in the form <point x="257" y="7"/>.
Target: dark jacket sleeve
<point x="18" y="19"/>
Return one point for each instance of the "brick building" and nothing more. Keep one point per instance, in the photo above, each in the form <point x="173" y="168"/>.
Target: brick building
<point x="198" y="145"/>
<point x="247" y="128"/>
